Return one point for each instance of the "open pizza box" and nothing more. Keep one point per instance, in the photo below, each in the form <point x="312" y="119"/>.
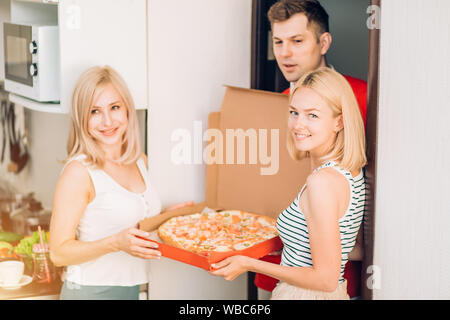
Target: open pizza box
<point x="265" y="181"/>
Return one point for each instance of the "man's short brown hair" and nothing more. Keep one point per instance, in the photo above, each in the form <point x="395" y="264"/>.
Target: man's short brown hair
<point x="312" y="9"/>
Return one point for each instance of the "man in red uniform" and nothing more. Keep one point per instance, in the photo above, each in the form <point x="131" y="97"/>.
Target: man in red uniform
<point x="301" y="39"/>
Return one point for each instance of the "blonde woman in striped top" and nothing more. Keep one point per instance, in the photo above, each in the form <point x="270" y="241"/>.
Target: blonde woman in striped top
<point x="320" y="227"/>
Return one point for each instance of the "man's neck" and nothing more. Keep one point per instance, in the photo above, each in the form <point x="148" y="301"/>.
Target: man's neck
<point x="323" y="63"/>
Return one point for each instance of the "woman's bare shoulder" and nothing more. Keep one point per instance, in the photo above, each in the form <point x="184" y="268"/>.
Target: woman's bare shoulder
<point x="76" y="175"/>
<point x="324" y="190"/>
<point x="75" y="167"/>
<point x="326" y="179"/>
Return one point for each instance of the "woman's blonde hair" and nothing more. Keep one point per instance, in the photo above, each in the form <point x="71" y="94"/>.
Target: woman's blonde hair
<point x="87" y="89"/>
<point x="349" y="148"/>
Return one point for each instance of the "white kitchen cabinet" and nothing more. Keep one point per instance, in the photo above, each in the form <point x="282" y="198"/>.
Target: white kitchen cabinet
<point x="104" y="32"/>
<point x="100" y="32"/>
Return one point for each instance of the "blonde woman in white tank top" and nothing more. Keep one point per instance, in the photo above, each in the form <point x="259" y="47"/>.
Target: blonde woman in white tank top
<point x="319" y="229"/>
<point x="102" y="194"/>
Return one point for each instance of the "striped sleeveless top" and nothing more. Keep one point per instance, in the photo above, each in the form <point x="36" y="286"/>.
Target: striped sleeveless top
<point x="293" y="229"/>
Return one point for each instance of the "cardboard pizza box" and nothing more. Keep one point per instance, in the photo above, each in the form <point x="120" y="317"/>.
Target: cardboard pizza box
<point x="265" y="181"/>
<point x="205" y="260"/>
<point x="202" y="261"/>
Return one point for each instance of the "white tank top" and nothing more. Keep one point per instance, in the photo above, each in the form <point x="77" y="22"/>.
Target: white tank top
<point x="113" y="209"/>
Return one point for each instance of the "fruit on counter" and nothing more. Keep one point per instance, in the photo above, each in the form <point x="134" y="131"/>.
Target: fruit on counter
<point x="6" y="251"/>
<point x="25" y="246"/>
<point x="10" y="237"/>
<point x="5" y="245"/>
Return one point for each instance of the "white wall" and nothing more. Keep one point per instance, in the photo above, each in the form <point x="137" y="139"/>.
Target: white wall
<point x="195" y="47"/>
<point x="412" y="242"/>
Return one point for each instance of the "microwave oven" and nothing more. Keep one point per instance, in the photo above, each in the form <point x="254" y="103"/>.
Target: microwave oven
<point x="32" y="67"/>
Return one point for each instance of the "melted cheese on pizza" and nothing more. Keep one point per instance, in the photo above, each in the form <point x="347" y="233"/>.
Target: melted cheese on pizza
<point x="217" y="231"/>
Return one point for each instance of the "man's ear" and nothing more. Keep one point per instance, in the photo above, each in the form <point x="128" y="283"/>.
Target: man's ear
<point x="325" y="42"/>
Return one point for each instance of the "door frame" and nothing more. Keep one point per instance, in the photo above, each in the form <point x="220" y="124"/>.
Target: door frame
<point x="371" y="153"/>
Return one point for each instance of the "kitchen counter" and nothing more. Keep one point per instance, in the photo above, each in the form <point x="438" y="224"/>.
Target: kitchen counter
<point x="34" y="290"/>
<point x="45" y="291"/>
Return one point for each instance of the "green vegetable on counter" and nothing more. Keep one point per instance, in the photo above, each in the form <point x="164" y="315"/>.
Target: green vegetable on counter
<point x="25" y="246"/>
<point x="10" y="237"/>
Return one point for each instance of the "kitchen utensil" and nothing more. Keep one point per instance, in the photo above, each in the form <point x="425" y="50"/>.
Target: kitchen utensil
<point x="4" y="122"/>
<point x="18" y="152"/>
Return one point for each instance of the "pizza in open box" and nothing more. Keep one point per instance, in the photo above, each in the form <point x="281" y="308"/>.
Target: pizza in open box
<point x="217" y="231"/>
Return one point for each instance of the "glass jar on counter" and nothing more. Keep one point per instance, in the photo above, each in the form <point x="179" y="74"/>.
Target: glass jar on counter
<point x="44" y="270"/>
